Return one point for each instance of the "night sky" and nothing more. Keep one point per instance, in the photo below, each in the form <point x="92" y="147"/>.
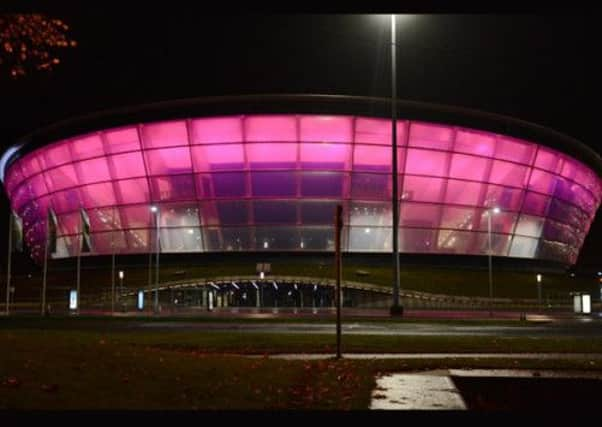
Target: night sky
<point x="532" y="67"/>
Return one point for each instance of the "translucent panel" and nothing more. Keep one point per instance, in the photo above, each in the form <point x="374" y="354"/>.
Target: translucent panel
<point x="68" y="223"/>
<point x="225" y="184"/>
<point x="61" y="177"/>
<point x="137" y="216"/>
<point x="56" y="154"/>
<point x="555" y="251"/>
<point x="276" y="238"/>
<point x="502" y="222"/>
<point x="535" y="204"/>
<point x="368" y="158"/>
<point x="322" y="184"/>
<point x="523" y="247"/>
<point x="325" y="156"/>
<point x="326" y="128"/>
<point x="274" y="184"/>
<point x="569" y="168"/>
<point x="378" y="131"/>
<point x="472" y="142"/>
<point x="430" y="136"/>
<point x="271" y="156"/>
<point x="530" y="226"/>
<point x="514" y="150"/>
<point x="276" y="212"/>
<point x="582" y="198"/>
<point x="94" y="195"/>
<point x="231" y="213"/>
<point x="133" y="161"/>
<point x="66" y="201"/>
<point x="166" y="134"/>
<point x="168" y="161"/>
<point x="500" y="244"/>
<point x="86" y="147"/>
<point x="62" y="247"/>
<point x="417" y="240"/>
<point x="93" y="170"/>
<point x="452" y="241"/>
<point x="547" y="159"/>
<point x="567" y="213"/>
<point x="542" y="182"/>
<point x="422" y="189"/>
<point x="468" y="167"/>
<point x="175" y="187"/>
<point x="318" y="239"/>
<point x="425" y="162"/>
<point x="503" y="197"/>
<point x="460" y="218"/>
<point x="218" y="157"/>
<point x="507" y="173"/>
<point x="36" y="186"/>
<point x="237" y="239"/>
<point x="179" y="215"/>
<point x="270" y="128"/>
<point x="138" y="240"/>
<point x="370" y="239"/>
<point x="102" y="243"/>
<point x="31" y="164"/>
<point x="216" y="129"/>
<point x="133" y="190"/>
<point x="14" y="177"/>
<point x="462" y="192"/>
<point x="370" y="214"/>
<point x="559" y="232"/>
<point x="121" y="140"/>
<point x="186" y="239"/>
<point x="419" y="215"/>
<point x="318" y="212"/>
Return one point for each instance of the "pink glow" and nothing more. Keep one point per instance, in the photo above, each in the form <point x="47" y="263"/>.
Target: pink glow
<point x="291" y="170"/>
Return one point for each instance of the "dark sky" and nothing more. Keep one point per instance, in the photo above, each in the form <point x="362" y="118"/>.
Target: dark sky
<point x="534" y="67"/>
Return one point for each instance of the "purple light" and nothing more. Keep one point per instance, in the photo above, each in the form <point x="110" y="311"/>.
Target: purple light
<point x="270" y="182"/>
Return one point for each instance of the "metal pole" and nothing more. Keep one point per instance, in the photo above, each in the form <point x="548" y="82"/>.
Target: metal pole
<point x="489" y="257"/>
<point x="10" y="251"/>
<point x="338" y="227"/>
<point x="113" y="266"/>
<point x="396" y="307"/>
<point x="79" y="251"/>
<point x="157" y="266"/>
<point x="45" y="265"/>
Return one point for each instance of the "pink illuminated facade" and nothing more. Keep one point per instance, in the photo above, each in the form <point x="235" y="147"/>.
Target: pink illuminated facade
<point x="270" y="182"/>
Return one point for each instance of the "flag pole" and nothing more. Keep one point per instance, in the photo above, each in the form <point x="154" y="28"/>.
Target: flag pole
<point x="79" y="252"/>
<point x="10" y="251"/>
<point x="45" y="263"/>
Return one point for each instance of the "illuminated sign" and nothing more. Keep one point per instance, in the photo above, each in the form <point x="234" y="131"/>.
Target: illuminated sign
<point x="586" y="304"/>
<point x="73" y="300"/>
<point x="140" y="300"/>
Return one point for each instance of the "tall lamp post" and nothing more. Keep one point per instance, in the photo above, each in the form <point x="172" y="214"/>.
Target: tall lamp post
<point x="490" y="212"/>
<point x="539" y="290"/>
<point x="155" y="210"/>
<point x="396" y="308"/>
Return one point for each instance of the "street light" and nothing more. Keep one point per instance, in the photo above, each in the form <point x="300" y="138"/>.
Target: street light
<point x="155" y="210"/>
<point x="489" y="213"/>
<point x="539" y="290"/>
<point x="120" y="282"/>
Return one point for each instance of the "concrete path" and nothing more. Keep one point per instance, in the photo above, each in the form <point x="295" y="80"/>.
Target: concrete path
<point x="539" y="356"/>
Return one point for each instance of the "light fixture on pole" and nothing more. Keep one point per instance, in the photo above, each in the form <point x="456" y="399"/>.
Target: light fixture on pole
<point x="539" y="290"/>
<point x="121" y="275"/>
<point x="155" y="210"/>
<point x="489" y="213"/>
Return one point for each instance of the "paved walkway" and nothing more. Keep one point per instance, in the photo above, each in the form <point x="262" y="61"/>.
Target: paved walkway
<point x="539" y="356"/>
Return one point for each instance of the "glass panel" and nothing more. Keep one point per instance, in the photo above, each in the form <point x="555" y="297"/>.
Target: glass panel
<point x="417" y="240"/>
<point x="102" y="242"/>
<point x="270" y="128"/>
<point x="378" y="131"/>
<point x="462" y="192"/>
<point x="523" y="247"/>
<point x="479" y="143"/>
<point x="370" y="214"/>
<point x="460" y="218"/>
<point x="36" y="186"/>
<point x="104" y="219"/>
<point x="274" y="183"/>
<point x="175" y="187"/>
<point x="138" y="241"/>
<point x="276" y="238"/>
<point x="425" y="162"/>
<point x="535" y="204"/>
<point x="420" y="189"/>
<point x="318" y="239"/>
<point x="547" y="159"/>
<point x="325" y="156"/>
<point x="322" y="184"/>
<point x="216" y="129"/>
<point x="316" y="212"/>
<point x="499" y="244"/>
<point x="94" y="170"/>
<point x="419" y="215"/>
<point x="232" y="212"/>
<point x="368" y="158"/>
<point x="86" y="147"/>
<point x="237" y="239"/>
<point x="227" y="184"/>
<point x="31" y="163"/>
<point x="66" y="201"/>
<point x="68" y="223"/>
<point x="430" y="136"/>
<point x="97" y="195"/>
<point x="127" y="165"/>
<point x="121" y="140"/>
<point x="529" y="226"/>
<point x="137" y="216"/>
<point x="453" y="241"/>
<point x="179" y="215"/>
<point x="166" y="134"/>
<point x="272" y="156"/>
<point x="181" y="239"/>
<point x="514" y="150"/>
<point x="168" y="161"/>
<point x="133" y="190"/>
<point x="326" y="128"/>
<point x="277" y="212"/>
<point x="61" y="177"/>
<point x="542" y="182"/>
<point x="56" y="154"/>
<point x="507" y="173"/>
<point x="370" y="239"/>
<point x="218" y="157"/>
<point x="503" y="197"/>
<point x="468" y="167"/>
<point x="502" y="222"/>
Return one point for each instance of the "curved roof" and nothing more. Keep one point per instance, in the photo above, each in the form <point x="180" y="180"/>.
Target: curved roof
<point x="301" y="103"/>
